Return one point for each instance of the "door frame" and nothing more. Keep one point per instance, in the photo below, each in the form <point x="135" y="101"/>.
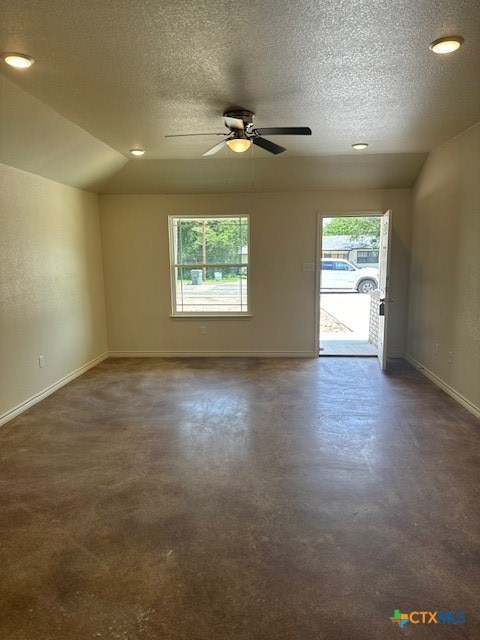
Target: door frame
<point x="318" y="255"/>
<point x="384" y="286"/>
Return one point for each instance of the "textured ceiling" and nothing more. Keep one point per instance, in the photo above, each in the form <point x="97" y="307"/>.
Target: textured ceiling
<point x="35" y="138"/>
<point x="131" y="71"/>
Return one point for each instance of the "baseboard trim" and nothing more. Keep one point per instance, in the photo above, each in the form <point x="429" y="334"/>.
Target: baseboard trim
<point x="396" y="354"/>
<point x="212" y="354"/>
<point x="16" y="411"/>
<point x="444" y="386"/>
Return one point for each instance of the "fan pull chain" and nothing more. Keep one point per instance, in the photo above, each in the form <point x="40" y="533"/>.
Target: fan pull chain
<point x="225" y="164"/>
<point x="251" y="156"/>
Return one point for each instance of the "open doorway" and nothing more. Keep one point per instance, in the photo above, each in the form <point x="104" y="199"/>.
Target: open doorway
<point x="353" y="266"/>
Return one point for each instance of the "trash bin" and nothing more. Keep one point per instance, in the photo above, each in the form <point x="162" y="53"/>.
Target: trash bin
<point x="196" y="275"/>
<point x="217" y="275"/>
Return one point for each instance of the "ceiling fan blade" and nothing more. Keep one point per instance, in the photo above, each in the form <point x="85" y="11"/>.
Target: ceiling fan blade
<point x="268" y="145"/>
<point x="233" y="123"/>
<point x="184" y="135"/>
<point x="284" y="131"/>
<point x="216" y="148"/>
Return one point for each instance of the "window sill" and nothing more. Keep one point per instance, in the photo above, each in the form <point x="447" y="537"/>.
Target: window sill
<point x="211" y="315"/>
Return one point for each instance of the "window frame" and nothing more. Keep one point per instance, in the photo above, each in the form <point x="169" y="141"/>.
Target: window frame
<point x="173" y="266"/>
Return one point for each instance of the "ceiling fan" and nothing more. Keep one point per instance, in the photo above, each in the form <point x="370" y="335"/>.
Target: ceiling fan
<point x="243" y="133"/>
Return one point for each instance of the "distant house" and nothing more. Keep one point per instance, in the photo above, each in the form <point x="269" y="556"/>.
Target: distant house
<point x="360" y="253"/>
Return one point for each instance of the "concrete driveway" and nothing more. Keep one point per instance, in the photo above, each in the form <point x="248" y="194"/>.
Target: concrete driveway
<point x="351" y="309"/>
<point x="210" y="295"/>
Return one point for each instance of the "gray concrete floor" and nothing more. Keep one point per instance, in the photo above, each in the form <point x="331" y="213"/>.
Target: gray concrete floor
<point x="330" y="347"/>
<point x="243" y="499"/>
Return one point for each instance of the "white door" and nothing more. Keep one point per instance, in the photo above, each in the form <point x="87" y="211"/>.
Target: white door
<point x="384" y="286"/>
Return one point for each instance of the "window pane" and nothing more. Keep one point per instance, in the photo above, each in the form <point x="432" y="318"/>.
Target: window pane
<point x="211" y="240"/>
<point x="189" y="235"/>
<point x="206" y="290"/>
<point x="226" y="240"/>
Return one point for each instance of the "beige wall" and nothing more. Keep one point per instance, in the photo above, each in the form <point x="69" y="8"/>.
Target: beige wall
<point x="445" y="273"/>
<point x="51" y="284"/>
<point x="283" y="227"/>
<point x="236" y="173"/>
<point x="37" y="139"/>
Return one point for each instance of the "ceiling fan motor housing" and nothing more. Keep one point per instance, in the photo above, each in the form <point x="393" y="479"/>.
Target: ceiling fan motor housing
<point x="239" y="134"/>
<point x="240" y="114"/>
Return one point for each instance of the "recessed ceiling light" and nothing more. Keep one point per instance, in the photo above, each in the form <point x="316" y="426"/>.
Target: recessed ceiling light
<point x="137" y="152"/>
<point x="446" y="45"/>
<point x="18" y="60"/>
<point x="359" y="145"/>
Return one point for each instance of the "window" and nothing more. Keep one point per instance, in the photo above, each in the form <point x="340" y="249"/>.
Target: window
<point x="343" y="266"/>
<point x="327" y="265"/>
<point x="367" y="257"/>
<point x="209" y="265"/>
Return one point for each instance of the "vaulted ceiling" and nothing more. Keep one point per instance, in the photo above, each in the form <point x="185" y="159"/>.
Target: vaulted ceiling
<point x="116" y="74"/>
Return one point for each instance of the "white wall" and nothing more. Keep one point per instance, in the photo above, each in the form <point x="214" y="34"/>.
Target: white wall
<point x="445" y="273"/>
<point x="51" y="284"/>
<point x="283" y="228"/>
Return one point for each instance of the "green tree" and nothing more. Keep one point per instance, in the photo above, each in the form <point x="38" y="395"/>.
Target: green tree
<point x="365" y="228"/>
<point x="211" y="240"/>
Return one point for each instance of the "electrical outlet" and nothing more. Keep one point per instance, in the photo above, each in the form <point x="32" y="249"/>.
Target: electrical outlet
<point x="308" y="266"/>
<point x="203" y="330"/>
<point x="41" y="362"/>
<point x="450" y="357"/>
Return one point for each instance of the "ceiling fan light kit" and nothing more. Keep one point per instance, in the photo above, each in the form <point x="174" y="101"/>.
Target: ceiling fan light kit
<point x="243" y="134"/>
<point x="239" y="143"/>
